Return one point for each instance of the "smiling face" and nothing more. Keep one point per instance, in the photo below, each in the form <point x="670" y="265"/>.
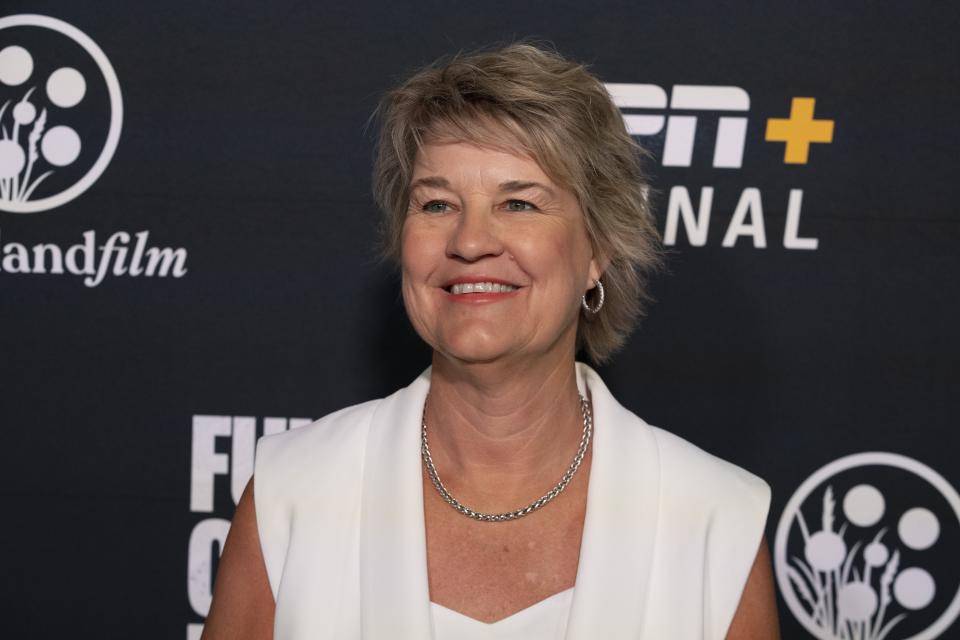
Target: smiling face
<point x="494" y="255"/>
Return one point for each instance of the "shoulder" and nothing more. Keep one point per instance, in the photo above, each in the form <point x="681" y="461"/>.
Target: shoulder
<point x="711" y="519"/>
<point x="328" y="435"/>
<point x="701" y="478"/>
<point x="289" y="469"/>
<point x="685" y="472"/>
<point x="720" y="510"/>
<point x="700" y="496"/>
<point x="289" y="465"/>
<point x="294" y="462"/>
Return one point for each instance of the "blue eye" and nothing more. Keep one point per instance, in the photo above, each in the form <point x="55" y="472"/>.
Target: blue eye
<point x="436" y="206"/>
<point x="520" y="205"/>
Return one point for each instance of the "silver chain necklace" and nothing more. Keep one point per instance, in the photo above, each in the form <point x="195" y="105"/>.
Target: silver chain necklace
<point x="539" y="503"/>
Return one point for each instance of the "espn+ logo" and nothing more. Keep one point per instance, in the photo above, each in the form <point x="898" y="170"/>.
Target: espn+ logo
<point x="649" y="112"/>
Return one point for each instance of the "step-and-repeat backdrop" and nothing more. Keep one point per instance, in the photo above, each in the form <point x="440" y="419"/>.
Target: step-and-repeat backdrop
<point x="187" y="262"/>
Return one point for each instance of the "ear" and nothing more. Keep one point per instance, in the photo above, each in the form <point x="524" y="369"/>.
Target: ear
<point x="598" y="264"/>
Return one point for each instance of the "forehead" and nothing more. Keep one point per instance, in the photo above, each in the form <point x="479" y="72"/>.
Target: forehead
<point x="462" y="162"/>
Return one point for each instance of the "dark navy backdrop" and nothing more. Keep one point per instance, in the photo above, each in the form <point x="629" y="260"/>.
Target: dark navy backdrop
<point x="244" y="144"/>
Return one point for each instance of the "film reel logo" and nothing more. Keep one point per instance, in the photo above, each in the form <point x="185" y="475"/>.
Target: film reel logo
<point x="60" y="113"/>
<point x="865" y="550"/>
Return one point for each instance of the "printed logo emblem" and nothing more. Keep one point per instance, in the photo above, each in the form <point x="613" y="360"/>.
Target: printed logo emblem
<point x="681" y="129"/>
<point x="865" y="550"/>
<point x="673" y="123"/>
<point x="60" y="113"/>
<point x="798" y="131"/>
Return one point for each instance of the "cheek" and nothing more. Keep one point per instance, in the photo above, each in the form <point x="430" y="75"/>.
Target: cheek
<point x="421" y="243"/>
<point x="418" y="260"/>
<point x="411" y="254"/>
<point x="560" y="253"/>
<point x="415" y="302"/>
<point x="580" y="253"/>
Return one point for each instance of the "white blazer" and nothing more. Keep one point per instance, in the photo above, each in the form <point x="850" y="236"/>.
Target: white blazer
<point x="669" y="537"/>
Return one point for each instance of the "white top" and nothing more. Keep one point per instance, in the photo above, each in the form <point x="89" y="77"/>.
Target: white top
<point x="669" y="536"/>
<point x="544" y="620"/>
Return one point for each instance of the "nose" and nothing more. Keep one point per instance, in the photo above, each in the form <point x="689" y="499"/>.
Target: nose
<point x="475" y="236"/>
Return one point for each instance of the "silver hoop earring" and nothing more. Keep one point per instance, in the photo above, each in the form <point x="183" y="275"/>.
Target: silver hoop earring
<point x="593" y="310"/>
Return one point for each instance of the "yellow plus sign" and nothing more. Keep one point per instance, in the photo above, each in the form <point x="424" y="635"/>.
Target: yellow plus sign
<point x="799" y="130"/>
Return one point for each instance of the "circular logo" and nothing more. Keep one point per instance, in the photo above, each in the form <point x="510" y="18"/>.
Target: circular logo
<point x="865" y="550"/>
<point x="60" y="113"/>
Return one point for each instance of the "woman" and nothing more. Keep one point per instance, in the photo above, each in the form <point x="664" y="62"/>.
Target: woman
<point x="504" y="493"/>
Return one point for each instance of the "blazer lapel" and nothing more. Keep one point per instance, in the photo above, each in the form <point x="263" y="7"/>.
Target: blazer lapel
<point x="616" y="552"/>
<point x="394" y="592"/>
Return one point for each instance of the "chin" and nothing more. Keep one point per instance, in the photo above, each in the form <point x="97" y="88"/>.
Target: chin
<point x="476" y="350"/>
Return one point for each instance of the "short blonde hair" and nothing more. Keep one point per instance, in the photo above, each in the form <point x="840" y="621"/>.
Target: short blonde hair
<point x="563" y="117"/>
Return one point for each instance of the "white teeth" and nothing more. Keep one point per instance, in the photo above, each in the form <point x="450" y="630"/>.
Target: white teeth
<point x="481" y="287"/>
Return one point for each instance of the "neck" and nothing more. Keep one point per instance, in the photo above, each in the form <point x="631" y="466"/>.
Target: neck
<point x="500" y="432"/>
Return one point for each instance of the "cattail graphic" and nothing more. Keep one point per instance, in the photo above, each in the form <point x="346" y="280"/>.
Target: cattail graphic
<point x="851" y="559"/>
<point x="848" y="590"/>
<point x="828" y="506"/>
<point x="801" y="586"/>
<point x="27" y="189"/>
<point x="57" y="146"/>
<point x="825" y="550"/>
<point x="886" y="582"/>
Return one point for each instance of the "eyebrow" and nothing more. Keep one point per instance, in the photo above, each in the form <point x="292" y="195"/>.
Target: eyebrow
<point x="505" y="187"/>
<point x="430" y="181"/>
<point x="520" y="185"/>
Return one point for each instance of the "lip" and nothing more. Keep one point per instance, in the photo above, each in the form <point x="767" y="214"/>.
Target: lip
<point x="479" y="298"/>
<point x="473" y="279"/>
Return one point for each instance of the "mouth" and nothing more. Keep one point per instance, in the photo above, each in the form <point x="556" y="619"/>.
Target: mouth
<point x="479" y="287"/>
